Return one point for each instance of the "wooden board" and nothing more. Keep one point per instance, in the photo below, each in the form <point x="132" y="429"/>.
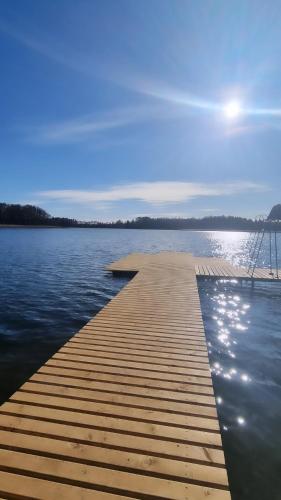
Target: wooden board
<point x="126" y="408"/>
<point x="207" y="267"/>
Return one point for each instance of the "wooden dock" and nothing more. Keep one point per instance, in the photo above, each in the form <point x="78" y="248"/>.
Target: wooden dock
<point x="204" y="267"/>
<point x="125" y="409"/>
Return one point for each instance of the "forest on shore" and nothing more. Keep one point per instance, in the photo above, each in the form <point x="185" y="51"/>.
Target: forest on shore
<point x="30" y="215"/>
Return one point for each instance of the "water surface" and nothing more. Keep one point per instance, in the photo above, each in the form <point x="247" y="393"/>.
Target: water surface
<point x="52" y="281"/>
<point x="242" y="326"/>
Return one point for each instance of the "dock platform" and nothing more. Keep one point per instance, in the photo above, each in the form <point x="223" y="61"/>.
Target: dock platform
<point x="204" y="267"/>
<point x="125" y="409"/>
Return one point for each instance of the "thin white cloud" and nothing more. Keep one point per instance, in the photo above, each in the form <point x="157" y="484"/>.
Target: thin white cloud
<point x="86" y="128"/>
<point x="58" y="51"/>
<point x="209" y="210"/>
<point x="158" y="89"/>
<point x="49" y="47"/>
<point x="160" y="192"/>
<point x="82" y="128"/>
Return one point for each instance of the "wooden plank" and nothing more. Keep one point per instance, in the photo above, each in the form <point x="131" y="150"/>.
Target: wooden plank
<point x="118" y="388"/>
<point x="128" y="343"/>
<point x="126" y="408"/>
<point x="165" y="336"/>
<point x="116" y="361"/>
<point x="44" y="387"/>
<point x="165" y="439"/>
<point x="134" y="350"/>
<point x="130" y="372"/>
<point x="157" y="339"/>
<point x="220" y="268"/>
<point x="128" y="356"/>
<point x="91" y="476"/>
<point x="31" y="487"/>
<point x="56" y="400"/>
<point x="125" y="380"/>
<point x="178" y="331"/>
<point x="187" y="342"/>
<point x="91" y="453"/>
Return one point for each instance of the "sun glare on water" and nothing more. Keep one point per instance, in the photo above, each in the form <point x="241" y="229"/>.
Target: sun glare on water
<point x="232" y="110"/>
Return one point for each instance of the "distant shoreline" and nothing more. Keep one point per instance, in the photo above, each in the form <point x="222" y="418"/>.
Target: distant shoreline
<point x="25" y="226"/>
<point x="19" y="226"/>
<point x="30" y="216"/>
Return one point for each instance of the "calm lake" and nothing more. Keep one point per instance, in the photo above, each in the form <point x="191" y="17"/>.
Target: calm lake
<point x="52" y="281"/>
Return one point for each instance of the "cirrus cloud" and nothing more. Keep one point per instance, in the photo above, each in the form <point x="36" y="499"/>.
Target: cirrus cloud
<point x="158" y="192"/>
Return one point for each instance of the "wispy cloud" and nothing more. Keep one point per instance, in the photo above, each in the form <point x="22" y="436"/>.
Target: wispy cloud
<point x="82" y="128"/>
<point x="160" y="90"/>
<point x="155" y="88"/>
<point x="48" y="46"/>
<point x="57" y="51"/>
<point x="153" y="192"/>
<point x="86" y="127"/>
<point x="208" y="210"/>
<point x="92" y="65"/>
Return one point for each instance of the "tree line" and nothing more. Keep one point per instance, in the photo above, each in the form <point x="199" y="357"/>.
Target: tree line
<point x="220" y="222"/>
<point x="30" y="215"/>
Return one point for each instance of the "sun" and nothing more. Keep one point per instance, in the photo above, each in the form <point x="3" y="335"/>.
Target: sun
<point x="232" y="109"/>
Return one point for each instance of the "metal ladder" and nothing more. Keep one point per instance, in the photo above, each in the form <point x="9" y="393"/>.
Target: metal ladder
<point x="265" y="231"/>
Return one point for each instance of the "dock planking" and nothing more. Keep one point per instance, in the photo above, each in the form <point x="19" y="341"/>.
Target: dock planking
<point x="204" y="267"/>
<point x="125" y="409"/>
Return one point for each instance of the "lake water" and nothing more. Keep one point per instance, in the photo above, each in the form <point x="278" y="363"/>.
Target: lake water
<point x="52" y="281"/>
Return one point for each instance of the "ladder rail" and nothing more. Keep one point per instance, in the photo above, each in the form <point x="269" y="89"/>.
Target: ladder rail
<point x="254" y="249"/>
<point x="258" y="253"/>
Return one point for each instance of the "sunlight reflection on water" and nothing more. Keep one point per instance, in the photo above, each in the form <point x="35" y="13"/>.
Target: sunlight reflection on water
<point x="231" y="318"/>
<point x="233" y="246"/>
<point x="242" y="325"/>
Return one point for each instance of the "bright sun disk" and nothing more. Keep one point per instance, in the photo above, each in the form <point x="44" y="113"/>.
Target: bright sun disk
<point x="232" y="109"/>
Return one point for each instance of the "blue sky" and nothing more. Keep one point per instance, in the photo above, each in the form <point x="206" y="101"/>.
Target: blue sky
<point x="119" y="108"/>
